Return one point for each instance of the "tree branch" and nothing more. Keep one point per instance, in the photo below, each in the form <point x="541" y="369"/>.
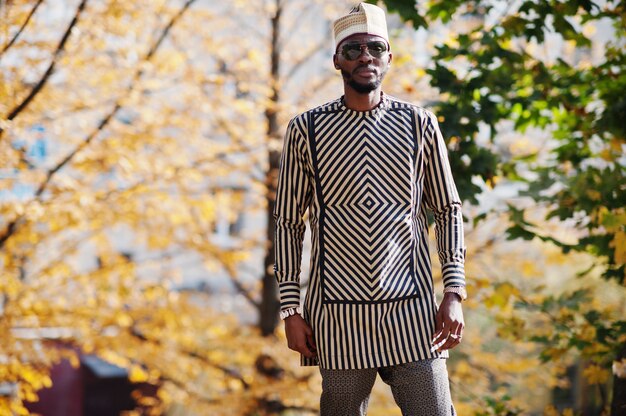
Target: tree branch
<point x="186" y="389"/>
<point x="229" y="270"/>
<point x="59" y="50"/>
<point x="118" y="105"/>
<point x="257" y="34"/>
<point x="12" y="226"/>
<point x="227" y="371"/>
<point x="294" y="26"/>
<point x="19" y="32"/>
<point x="305" y="58"/>
<point x="241" y="289"/>
<point x="304" y="97"/>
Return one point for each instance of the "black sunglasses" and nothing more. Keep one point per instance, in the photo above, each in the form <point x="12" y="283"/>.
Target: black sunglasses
<point x="351" y="51"/>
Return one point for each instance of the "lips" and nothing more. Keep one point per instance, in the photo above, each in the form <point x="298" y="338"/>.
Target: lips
<point x="365" y="72"/>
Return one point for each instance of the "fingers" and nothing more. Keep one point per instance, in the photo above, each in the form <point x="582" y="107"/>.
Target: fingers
<point x="449" y="325"/>
<point x="437" y="335"/>
<point x="452" y="339"/>
<point x="440" y="337"/>
<point x="441" y="331"/>
<point x="448" y="336"/>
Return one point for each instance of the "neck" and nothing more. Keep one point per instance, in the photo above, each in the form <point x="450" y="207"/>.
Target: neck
<point x="361" y="102"/>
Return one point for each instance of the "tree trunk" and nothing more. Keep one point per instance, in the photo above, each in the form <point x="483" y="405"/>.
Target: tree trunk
<point x="270" y="304"/>
<point x="618" y="405"/>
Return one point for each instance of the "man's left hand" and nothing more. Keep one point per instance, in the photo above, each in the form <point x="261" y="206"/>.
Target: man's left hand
<point x="449" y="323"/>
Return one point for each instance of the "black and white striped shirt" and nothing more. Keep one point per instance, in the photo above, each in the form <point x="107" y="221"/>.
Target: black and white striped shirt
<point x="367" y="179"/>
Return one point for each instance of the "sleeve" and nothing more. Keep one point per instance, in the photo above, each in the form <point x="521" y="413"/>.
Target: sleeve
<point x="441" y="196"/>
<point x="293" y="197"/>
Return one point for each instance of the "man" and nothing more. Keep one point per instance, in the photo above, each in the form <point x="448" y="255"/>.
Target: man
<point x="367" y="166"/>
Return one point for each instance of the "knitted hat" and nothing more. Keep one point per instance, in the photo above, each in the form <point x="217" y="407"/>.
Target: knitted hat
<point x="362" y="19"/>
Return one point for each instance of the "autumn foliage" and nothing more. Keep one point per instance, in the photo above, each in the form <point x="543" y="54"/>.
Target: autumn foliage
<point x="128" y="130"/>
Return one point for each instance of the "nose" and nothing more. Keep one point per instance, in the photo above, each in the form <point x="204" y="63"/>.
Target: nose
<point x="365" y="55"/>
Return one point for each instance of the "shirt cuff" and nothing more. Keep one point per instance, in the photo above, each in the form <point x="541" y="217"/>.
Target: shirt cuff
<point x="453" y="274"/>
<point x="286" y="313"/>
<point x="289" y="293"/>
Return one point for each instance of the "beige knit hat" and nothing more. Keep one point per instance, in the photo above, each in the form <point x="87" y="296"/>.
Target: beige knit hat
<point x="362" y="19"/>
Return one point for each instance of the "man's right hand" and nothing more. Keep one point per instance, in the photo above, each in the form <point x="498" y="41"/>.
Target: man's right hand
<point x="300" y="336"/>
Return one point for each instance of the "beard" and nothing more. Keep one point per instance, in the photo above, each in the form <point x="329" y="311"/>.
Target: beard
<point x="359" y="87"/>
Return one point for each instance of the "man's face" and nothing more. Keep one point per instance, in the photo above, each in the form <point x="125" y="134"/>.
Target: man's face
<point x="365" y="73"/>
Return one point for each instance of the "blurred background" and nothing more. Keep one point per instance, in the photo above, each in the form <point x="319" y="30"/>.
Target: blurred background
<point x="139" y="147"/>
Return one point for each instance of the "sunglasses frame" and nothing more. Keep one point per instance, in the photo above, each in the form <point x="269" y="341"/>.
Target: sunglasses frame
<point x="363" y="46"/>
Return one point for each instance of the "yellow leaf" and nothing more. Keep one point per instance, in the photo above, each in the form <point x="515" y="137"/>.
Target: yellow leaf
<point x="619" y="244"/>
<point x="588" y="333"/>
<point x="596" y="374"/>
<point x="555" y="353"/>
<point x="593" y="194"/>
<point x="607" y="155"/>
<point x="74" y="361"/>
<point x="529" y="268"/>
<point x="137" y="374"/>
<point x="158" y="241"/>
<point x="123" y="319"/>
<point x="30" y="396"/>
<point x="501" y="295"/>
<point x="463" y="368"/>
<point x="550" y="411"/>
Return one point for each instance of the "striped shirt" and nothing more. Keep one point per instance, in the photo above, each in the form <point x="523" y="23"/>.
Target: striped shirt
<point x="367" y="179"/>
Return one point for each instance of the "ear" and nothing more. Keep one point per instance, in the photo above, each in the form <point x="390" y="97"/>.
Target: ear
<point x="390" y="58"/>
<point x="336" y="61"/>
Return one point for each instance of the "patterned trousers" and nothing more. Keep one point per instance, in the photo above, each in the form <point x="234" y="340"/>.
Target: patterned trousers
<point x="419" y="388"/>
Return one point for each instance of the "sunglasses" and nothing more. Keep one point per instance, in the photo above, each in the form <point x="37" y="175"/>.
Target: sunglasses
<point x="351" y="51"/>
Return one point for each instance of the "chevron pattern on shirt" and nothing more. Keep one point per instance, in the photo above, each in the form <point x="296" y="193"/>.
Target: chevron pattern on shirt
<point x="365" y="170"/>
